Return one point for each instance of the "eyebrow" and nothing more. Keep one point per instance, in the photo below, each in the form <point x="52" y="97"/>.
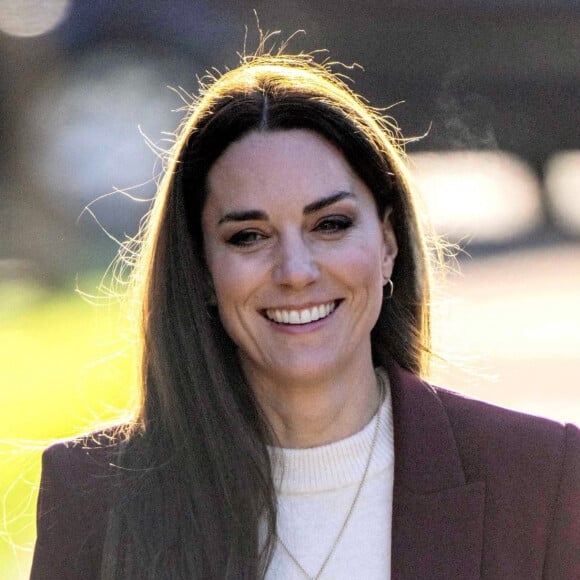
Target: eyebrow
<point x="259" y="215"/>
<point x="242" y="216"/>
<point x="326" y="201"/>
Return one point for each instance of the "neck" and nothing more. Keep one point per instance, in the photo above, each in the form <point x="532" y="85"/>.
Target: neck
<point x="322" y="410"/>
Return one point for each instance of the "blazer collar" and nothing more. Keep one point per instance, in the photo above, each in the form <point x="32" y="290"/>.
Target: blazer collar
<point x="437" y="529"/>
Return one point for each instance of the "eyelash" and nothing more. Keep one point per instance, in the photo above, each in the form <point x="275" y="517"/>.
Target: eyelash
<point x="329" y="225"/>
<point x="245" y="238"/>
<point x="334" y="224"/>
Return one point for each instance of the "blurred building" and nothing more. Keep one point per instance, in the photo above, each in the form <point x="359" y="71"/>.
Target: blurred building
<point x="83" y="84"/>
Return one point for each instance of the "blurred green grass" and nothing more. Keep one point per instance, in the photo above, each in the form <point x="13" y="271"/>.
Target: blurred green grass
<point x="67" y="366"/>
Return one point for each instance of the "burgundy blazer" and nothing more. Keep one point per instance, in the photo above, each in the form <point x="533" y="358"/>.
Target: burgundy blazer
<point x="480" y="492"/>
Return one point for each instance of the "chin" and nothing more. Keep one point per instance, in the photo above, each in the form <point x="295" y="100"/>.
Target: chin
<point x="306" y="369"/>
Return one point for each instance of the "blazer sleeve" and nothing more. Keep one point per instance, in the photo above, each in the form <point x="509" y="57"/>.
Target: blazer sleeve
<point x="71" y="516"/>
<point x="563" y="551"/>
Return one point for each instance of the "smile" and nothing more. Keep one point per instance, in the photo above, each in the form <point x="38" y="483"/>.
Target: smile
<point x="303" y="316"/>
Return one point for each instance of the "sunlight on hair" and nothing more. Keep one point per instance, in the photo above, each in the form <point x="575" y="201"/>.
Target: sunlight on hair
<point x="27" y="18"/>
<point x="488" y="196"/>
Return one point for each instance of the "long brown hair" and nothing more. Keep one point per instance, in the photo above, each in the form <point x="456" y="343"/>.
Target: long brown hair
<point x="200" y="502"/>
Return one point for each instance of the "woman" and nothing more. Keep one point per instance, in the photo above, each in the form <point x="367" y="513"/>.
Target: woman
<point x="284" y="430"/>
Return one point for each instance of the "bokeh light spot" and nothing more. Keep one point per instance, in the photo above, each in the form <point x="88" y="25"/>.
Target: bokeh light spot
<point x="563" y="188"/>
<point x="26" y="18"/>
<point x="482" y="196"/>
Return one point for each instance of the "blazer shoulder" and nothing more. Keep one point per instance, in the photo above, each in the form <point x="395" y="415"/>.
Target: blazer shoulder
<point x="492" y="439"/>
<point x="77" y="489"/>
<point x="531" y="466"/>
<point x="493" y="420"/>
<point x="78" y="462"/>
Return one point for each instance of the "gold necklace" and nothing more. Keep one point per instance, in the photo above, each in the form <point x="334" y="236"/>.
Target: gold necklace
<point x="382" y="389"/>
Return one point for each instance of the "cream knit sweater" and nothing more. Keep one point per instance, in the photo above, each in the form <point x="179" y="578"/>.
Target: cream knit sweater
<point x="314" y="495"/>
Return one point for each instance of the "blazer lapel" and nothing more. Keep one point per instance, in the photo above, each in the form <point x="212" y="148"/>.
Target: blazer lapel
<point x="437" y="529"/>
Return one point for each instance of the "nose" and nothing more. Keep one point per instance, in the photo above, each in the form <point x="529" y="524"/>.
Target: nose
<point x="295" y="265"/>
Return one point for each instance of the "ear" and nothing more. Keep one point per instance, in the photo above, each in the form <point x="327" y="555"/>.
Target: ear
<point x="390" y="247"/>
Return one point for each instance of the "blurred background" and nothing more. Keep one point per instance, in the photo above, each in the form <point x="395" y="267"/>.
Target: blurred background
<point x="492" y="88"/>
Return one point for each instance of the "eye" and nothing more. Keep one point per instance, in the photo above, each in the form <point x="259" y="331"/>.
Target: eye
<point x="245" y="238"/>
<point x="334" y="224"/>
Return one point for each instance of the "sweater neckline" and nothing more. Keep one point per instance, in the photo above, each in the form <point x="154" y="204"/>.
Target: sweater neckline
<point x="338" y="464"/>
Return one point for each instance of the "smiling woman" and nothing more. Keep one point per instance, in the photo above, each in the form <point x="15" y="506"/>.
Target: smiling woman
<point x="285" y="430"/>
<point x="298" y="273"/>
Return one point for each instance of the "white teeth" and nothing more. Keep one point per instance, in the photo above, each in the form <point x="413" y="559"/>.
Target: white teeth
<point x="301" y="316"/>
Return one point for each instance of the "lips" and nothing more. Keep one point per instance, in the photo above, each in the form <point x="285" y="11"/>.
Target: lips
<point x="301" y="316"/>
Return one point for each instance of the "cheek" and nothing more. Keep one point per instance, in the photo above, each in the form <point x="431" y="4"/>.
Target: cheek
<point x="361" y="263"/>
<point x="235" y="283"/>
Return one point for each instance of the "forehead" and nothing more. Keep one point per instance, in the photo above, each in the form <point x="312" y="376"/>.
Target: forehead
<point x="292" y="165"/>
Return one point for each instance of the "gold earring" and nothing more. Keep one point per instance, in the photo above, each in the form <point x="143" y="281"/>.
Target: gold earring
<point x="391" y="288"/>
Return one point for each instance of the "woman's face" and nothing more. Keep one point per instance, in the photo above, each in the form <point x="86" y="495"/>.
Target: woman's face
<point x="297" y="254"/>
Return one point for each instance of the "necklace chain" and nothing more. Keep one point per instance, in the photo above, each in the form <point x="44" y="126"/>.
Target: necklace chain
<point x="382" y="388"/>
